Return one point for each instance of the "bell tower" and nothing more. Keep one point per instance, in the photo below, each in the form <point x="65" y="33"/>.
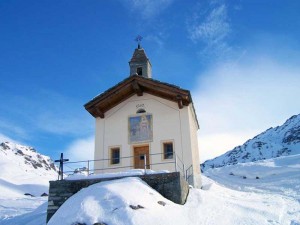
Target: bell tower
<point x="139" y="63"/>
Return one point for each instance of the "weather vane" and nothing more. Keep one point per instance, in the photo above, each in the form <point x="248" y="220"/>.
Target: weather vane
<point x="138" y="39"/>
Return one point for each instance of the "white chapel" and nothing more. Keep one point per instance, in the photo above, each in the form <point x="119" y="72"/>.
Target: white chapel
<point x="142" y="123"/>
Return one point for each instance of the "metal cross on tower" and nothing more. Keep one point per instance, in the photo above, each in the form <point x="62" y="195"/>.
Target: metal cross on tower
<point x="61" y="166"/>
<point x="138" y="39"/>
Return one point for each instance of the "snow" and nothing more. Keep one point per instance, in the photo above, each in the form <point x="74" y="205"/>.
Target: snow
<point x="109" y="202"/>
<point x="272" y="199"/>
<point x="275" y="142"/>
<point x="22" y="170"/>
<point x="279" y="175"/>
<point x="133" y="172"/>
<point x="14" y="208"/>
<point x="231" y="195"/>
<point x="36" y="217"/>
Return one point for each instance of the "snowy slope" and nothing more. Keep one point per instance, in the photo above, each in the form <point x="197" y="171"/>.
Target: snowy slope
<point x="23" y="170"/>
<point x="226" y="198"/>
<point x="275" y="142"/>
<point x="279" y="176"/>
<point x="36" y="216"/>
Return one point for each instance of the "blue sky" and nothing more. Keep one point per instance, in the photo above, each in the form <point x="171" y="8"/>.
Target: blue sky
<point x="240" y="59"/>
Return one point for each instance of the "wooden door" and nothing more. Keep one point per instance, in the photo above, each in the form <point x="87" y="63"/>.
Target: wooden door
<point x="139" y="157"/>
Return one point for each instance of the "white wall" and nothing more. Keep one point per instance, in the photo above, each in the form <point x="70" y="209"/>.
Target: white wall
<point x="169" y="124"/>
<point x="195" y="149"/>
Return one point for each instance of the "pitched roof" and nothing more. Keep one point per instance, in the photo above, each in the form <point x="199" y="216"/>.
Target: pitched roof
<point x="136" y="85"/>
<point x="139" y="55"/>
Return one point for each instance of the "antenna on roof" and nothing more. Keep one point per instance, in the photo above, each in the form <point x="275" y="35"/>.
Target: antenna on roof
<point x="138" y="39"/>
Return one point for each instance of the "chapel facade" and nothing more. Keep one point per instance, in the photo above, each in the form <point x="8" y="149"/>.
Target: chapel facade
<point x="144" y="123"/>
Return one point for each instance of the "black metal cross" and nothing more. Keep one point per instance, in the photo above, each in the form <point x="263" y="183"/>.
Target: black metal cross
<point x="138" y="39"/>
<point x="61" y="165"/>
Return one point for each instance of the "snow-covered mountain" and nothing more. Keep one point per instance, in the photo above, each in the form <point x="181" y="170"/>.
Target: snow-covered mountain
<point x="275" y="142"/>
<point x="19" y="163"/>
<point x="24" y="173"/>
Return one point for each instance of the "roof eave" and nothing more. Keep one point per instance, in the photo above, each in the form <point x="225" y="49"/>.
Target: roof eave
<point x="136" y="85"/>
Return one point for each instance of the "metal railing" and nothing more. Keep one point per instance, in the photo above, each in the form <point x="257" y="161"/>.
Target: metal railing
<point x="154" y="162"/>
<point x="189" y="174"/>
<point x="126" y="162"/>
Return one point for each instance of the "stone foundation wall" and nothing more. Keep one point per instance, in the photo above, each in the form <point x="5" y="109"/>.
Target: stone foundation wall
<point x="170" y="185"/>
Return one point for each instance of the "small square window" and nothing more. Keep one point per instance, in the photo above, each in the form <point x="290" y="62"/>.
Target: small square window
<point x="168" y="150"/>
<point x="114" y="155"/>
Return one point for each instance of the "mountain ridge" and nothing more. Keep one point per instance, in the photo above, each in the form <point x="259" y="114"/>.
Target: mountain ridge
<point x="24" y="179"/>
<point x="23" y="169"/>
<point x="31" y="157"/>
<point x="274" y="142"/>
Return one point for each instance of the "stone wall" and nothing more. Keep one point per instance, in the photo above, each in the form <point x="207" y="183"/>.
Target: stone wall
<point x="170" y="185"/>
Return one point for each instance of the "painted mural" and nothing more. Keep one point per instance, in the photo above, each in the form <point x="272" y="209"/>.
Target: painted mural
<point x="140" y="128"/>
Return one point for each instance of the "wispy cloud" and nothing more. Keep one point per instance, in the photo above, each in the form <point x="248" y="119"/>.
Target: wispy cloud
<point x="212" y="28"/>
<point x="247" y="89"/>
<point x="81" y="149"/>
<point x="75" y="123"/>
<point x="148" y="9"/>
<point x="11" y="128"/>
<point x="158" y="39"/>
<point x="62" y="115"/>
<point x="239" y="100"/>
<point x="58" y="114"/>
